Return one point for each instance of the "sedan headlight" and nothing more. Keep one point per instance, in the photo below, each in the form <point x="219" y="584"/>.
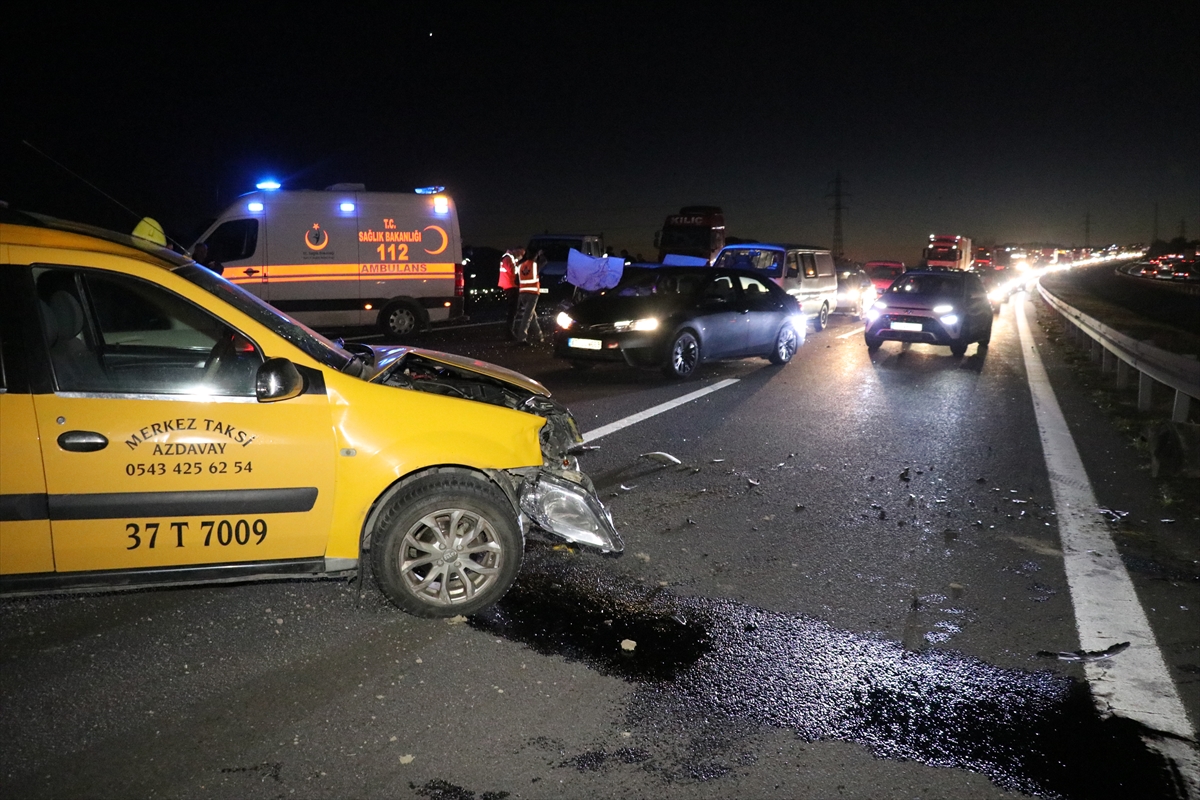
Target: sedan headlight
<point x="563" y="320"/>
<point x="646" y="324"/>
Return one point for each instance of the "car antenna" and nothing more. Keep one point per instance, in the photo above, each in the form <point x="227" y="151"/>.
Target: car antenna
<point x="92" y="186"/>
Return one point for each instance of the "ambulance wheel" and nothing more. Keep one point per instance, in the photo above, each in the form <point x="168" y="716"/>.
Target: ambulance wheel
<point x="401" y="318"/>
<point x="446" y="544"/>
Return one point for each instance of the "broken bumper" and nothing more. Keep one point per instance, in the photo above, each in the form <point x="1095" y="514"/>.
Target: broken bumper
<point x="569" y="509"/>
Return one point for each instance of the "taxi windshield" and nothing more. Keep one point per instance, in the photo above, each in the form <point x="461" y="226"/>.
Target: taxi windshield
<point x="311" y="342"/>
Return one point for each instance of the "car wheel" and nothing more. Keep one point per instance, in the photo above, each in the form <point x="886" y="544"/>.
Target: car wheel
<point x="447" y="544"/>
<point x="786" y="344"/>
<point x="683" y="357"/>
<point x="873" y="343"/>
<point x="399" y="319"/>
<point x="821" y="321"/>
<point x="958" y="349"/>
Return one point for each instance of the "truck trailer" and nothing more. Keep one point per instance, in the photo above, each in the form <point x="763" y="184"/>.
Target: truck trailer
<point x="951" y="252"/>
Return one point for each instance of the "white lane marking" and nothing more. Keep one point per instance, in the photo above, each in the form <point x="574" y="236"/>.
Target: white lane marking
<point x="854" y="332"/>
<point x="613" y="427"/>
<point x="1136" y="684"/>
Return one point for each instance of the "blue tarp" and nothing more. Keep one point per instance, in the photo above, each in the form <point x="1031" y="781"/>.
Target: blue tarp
<point x="593" y="274"/>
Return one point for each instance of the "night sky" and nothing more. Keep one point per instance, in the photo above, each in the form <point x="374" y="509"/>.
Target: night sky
<point x="1003" y="122"/>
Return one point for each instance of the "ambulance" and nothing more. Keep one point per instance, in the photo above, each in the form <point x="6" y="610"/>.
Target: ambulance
<point x="345" y="257"/>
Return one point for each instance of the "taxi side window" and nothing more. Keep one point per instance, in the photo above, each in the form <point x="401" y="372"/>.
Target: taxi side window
<point x="116" y="334"/>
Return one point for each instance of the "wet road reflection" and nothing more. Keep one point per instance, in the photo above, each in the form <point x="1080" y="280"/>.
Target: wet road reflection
<point x="713" y="671"/>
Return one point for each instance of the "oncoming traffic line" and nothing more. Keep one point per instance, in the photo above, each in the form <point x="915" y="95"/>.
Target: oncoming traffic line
<point x="613" y="427"/>
<point x="1136" y="685"/>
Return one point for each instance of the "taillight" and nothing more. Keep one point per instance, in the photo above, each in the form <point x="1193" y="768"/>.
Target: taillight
<point x="459" y="282"/>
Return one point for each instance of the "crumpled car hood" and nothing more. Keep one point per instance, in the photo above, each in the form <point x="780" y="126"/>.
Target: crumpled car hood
<point x="386" y="357"/>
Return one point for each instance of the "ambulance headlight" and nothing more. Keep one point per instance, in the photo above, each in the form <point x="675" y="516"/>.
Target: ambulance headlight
<point x="347" y="207"/>
<point x="254" y="207"/>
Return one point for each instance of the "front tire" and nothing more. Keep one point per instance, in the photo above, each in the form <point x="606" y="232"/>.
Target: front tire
<point x="873" y="343"/>
<point x="821" y="321"/>
<point x="958" y="349"/>
<point x="446" y="544"/>
<point x="683" y="357"/>
<point x="786" y="344"/>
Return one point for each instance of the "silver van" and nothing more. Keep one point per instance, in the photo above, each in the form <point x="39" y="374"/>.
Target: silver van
<point x="805" y="272"/>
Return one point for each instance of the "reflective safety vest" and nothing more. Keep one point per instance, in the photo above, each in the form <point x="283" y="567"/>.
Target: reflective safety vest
<point x="508" y="272"/>
<point x="527" y="273"/>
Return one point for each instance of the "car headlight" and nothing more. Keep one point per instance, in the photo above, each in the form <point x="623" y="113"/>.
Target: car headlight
<point x="571" y="511"/>
<point x="647" y="324"/>
<point x="563" y="320"/>
<point x="943" y="309"/>
<point x="852" y="294"/>
<point x="949" y="319"/>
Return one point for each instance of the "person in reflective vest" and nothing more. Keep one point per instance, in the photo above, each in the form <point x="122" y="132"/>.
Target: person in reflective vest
<point x="529" y="287"/>
<point x="508" y="284"/>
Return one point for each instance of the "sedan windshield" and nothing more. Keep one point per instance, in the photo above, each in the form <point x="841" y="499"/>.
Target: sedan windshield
<point x="311" y="342"/>
<point x="646" y="283"/>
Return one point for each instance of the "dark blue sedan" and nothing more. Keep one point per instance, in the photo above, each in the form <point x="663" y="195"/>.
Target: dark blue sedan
<point x="676" y="318"/>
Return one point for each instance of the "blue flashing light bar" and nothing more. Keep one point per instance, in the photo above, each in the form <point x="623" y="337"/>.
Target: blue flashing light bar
<point x="430" y="189"/>
<point x="268" y="185"/>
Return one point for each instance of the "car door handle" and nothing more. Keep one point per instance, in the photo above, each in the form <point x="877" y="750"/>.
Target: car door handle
<point x="250" y="271"/>
<point x="82" y="441"/>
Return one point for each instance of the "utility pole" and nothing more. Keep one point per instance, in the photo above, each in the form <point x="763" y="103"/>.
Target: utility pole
<point x="838" y="250"/>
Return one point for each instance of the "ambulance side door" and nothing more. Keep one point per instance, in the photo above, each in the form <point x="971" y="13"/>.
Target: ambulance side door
<point x="313" y="268"/>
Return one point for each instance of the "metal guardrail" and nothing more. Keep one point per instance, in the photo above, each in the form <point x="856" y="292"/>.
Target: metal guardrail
<point x="1115" y="350"/>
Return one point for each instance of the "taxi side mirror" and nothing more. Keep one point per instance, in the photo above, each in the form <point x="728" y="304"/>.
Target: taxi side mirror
<point x="277" y="379"/>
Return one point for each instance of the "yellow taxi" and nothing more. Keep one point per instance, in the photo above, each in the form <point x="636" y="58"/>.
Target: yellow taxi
<point x="160" y="425"/>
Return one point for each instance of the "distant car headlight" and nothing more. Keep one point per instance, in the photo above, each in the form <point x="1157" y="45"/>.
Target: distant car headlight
<point x="949" y="319"/>
<point x="563" y="320"/>
<point x="852" y="294"/>
<point x="647" y="324"/>
<point x="943" y="309"/>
